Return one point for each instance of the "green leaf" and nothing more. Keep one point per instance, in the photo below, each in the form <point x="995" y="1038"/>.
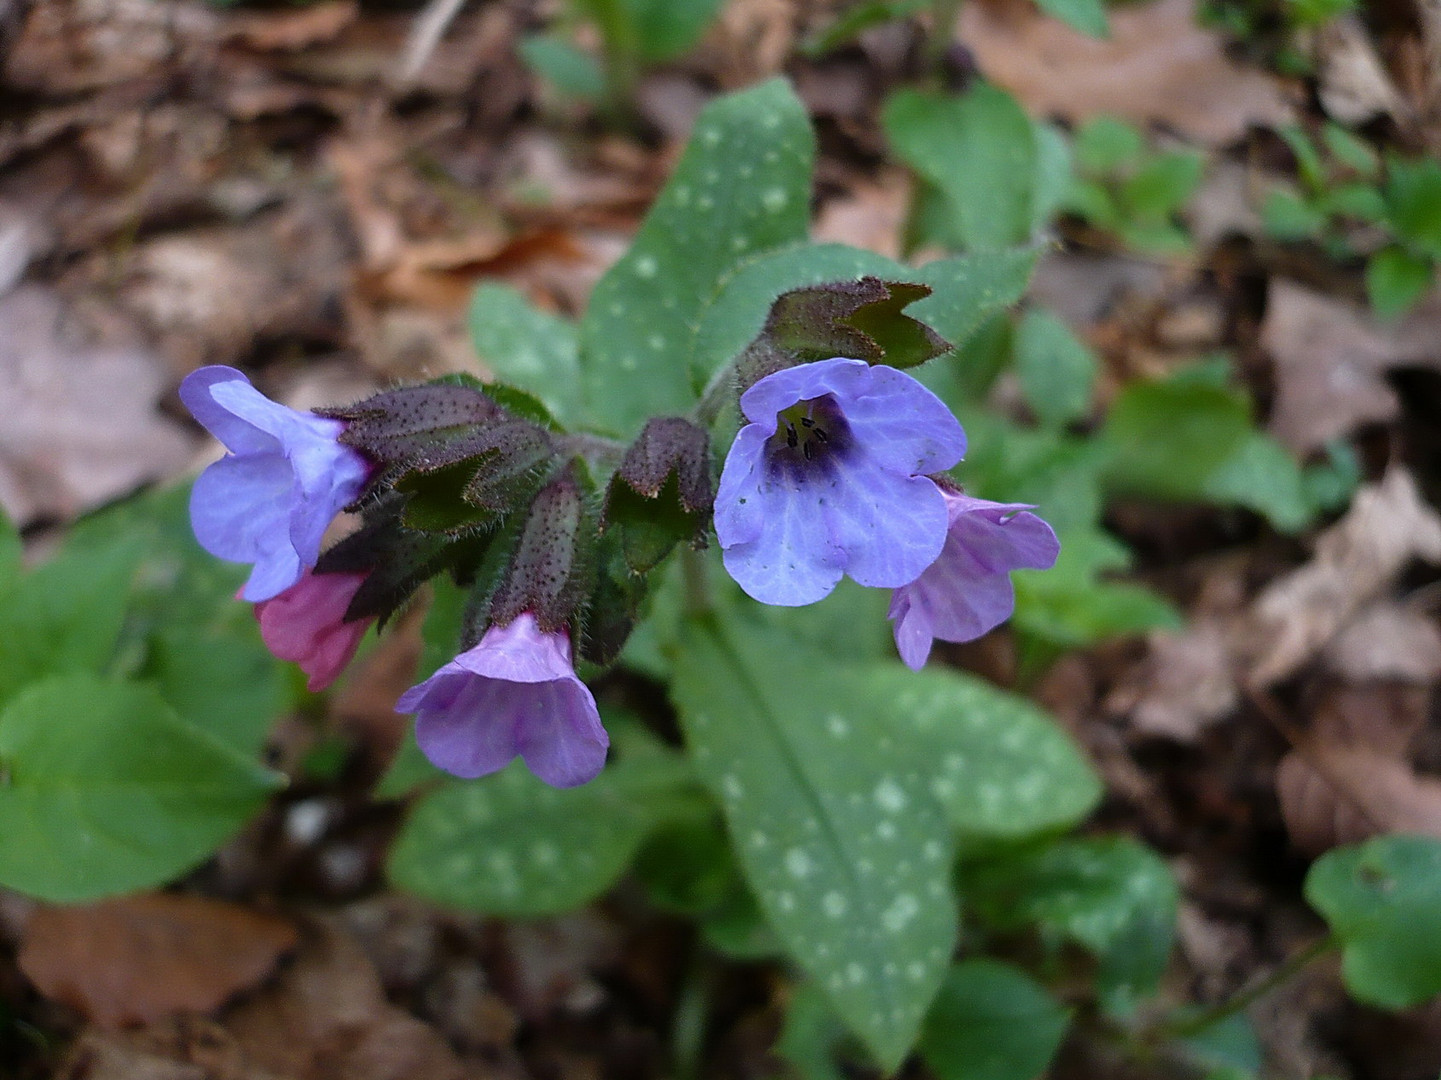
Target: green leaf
<point x="1087" y="16"/>
<point x="1351" y="150"/>
<point x="1382" y="900"/>
<point x="667" y="28"/>
<point x="11" y="552"/>
<point x="528" y="348"/>
<point x="856" y="18"/>
<point x="810" y="1035"/>
<point x="105" y="790"/>
<point x="979" y="150"/>
<point x="570" y="70"/>
<point x="833" y="826"/>
<point x="999" y="765"/>
<point x="65" y="616"/>
<point x="510" y="844"/>
<point x="1396" y="279"/>
<point x="1413" y="197"/>
<point x="968" y="289"/>
<point x="1057" y="473"/>
<point x="738" y="312"/>
<point x="1053" y="176"/>
<point x="1057" y="369"/>
<point x="645" y="311"/>
<point x="1161" y="186"/>
<point x="221" y="679"/>
<point x="1112" y="895"/>
<point x="992" y="1021"/>
<point x="1107" y="145"/>
<point x="1186" y="439"/>
<point x="1071" y="605"/>
<point x="1287" y="216"/>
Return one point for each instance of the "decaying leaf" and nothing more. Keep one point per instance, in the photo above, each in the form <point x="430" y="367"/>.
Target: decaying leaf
<point x="1330" y="359"/>
<point x="327" y="1016"/>
<point x="1387" y="526"/>
<point x="81" y="424"/>
<point x="1157" y="66"/>
<point x="1353" y="84"/>
<point x="141" y="958"/>
<point x="1186" y="682"/>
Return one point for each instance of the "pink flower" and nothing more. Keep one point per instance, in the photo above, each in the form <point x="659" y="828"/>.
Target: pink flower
<point x="306" y="625"/>
<point x="516" y="694"/>
<point x="967" y="591"/>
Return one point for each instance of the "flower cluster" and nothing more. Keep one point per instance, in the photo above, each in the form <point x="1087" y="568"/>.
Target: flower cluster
<point x="835" y="472"/>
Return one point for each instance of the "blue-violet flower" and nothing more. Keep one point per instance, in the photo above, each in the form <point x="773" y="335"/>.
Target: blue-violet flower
<point x="968" y="591"/>
<point x="829" y="478"/>
<point x="270" y="500"/>
<point x="514" y="694"/>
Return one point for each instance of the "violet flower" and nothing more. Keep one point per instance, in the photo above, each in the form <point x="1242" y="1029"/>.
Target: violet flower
<point x="514" y="694"/>
<point x="829" y="478"/>
<point x="968" y="591"/>
<point x="306" y="625"/>
<point x="270" y="500"/>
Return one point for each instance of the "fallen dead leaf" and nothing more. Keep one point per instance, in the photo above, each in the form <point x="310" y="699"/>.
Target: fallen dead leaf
<point x="1157" y="66"/>
<point x="869" y="215"/>
<point x="1351" y="80"/>
<point x="1333" y="795"/>
<point x="81" y="426"/>
<point x="141" y="958"/>
<point x="295" y="29"/>
<point x="1186" y="683"/>
<point x="1330" y="358"/>
<point x="1387" y="641"/>
<point x="1387" y="526"/>
<point x="327" y="1016"/>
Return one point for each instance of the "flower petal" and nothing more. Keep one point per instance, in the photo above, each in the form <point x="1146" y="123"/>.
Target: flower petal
<point x="238" y="512"/>
<point x="903" y="426"/>
<point x="891" y="528"/>
<point x="240" y="435"/>
<point x="794" y="559"/>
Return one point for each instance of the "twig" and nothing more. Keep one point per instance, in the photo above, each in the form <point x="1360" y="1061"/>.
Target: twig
<point x="425" y="34"/>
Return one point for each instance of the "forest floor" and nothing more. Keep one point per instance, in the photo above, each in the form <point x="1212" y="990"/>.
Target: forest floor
<point x="268" y="187"/>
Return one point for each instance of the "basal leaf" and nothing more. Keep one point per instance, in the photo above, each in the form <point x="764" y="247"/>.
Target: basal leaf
<point x="833" y="824"/>
<point x="979" y="151"/>
<point x="1087" y="16"/>
<point x="1056" y="368"/>
<point x="999" y="765"/>
<point x="104" y="790"/>
<point x="644" y="312"/>
<point x="528" y="348"/>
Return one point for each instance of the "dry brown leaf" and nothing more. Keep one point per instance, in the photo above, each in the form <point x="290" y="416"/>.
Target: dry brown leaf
<point x="1157" y="66"/>
<point x="141" y="958"/>
<point x="295" y="29"/>
<point x="1352" y="82"/>
<point x="869" y="215"/>
<point x="1186" y="683"/>
<point x="1334" y="795"/>
<point x="81" y="426"/>
<point x="1386" y="527"/>
<point x="1329" y="359"/>
<point x="1387" y="641"/>
<point x="68" y="48"/>
<point x="327" y="1016"/>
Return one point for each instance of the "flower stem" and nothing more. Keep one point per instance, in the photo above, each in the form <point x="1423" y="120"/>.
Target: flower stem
<point x="943" y="29"/>
<point x="698" y="598"/>
<point x="1194" y="1024"/>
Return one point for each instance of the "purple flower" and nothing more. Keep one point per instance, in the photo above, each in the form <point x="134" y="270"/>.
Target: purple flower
<point x="967" y="591"/>
<point x="514" y="694"/>
<point x="829" y="478"/>
<point x="270" y="500"/>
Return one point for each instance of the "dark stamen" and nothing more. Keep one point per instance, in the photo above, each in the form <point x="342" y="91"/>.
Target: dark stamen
<point x="806" y="450"/>
<point x="791" y="438"/>
<point x="820" y="433"/>
<point x="806" y="421"/>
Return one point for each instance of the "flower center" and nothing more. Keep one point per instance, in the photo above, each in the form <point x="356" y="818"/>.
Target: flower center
<point x="809" y="430"/>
